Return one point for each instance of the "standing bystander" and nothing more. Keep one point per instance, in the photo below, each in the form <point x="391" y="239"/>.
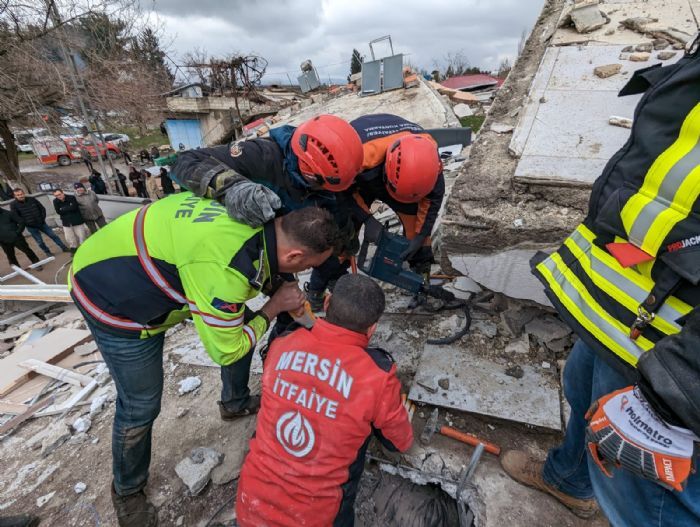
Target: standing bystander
<point x="11" y="227"/>
<point x="33" y="214"/>
<point x="88" y="203"/>
<point x="74" y="228"/>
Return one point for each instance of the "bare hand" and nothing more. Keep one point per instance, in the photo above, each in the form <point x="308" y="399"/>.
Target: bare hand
<point x="287" y="298"/>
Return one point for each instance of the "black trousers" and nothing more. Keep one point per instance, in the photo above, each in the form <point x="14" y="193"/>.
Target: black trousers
<point x="21" y="244"/>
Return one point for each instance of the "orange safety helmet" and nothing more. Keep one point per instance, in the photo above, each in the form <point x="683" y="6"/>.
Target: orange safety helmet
<point x="412" y="168"/>
<point x="330" y="150"/>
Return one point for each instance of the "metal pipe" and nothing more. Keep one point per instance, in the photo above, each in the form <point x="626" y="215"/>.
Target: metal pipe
<point x="28" y="276"/>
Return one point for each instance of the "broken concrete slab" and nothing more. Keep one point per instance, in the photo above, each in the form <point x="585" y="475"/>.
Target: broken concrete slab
<point x="481" y="386"/>
<point x="195" y="470"/>
<point x="463" y="110"/>
<point x="607" y="70"/>
<point x="466" y="284"/>
<point x="547" y="328"/>
<point x="645" y="47"/>
<point x="588" y="18"/>
<point x="54" y="436"/>
<point x="507" y="272"/>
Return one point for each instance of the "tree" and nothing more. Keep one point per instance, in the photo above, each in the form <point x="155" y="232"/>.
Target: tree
<point x="147" y="50"/>
<point x="504" y="68"/>
<point x="523" y="40"/>
<point x="356" y="62"/>
<point x="101" y="36"/>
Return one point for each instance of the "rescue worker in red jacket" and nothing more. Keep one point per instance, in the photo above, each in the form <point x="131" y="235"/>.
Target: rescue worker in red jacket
<point x="324" y="393"/>
<point x="401" y="167"/>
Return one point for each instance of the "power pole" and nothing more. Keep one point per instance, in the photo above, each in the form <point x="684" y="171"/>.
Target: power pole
<point x="78" y="86"/>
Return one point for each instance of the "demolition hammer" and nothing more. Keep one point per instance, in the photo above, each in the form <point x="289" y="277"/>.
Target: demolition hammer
<point x="387" y="265"/>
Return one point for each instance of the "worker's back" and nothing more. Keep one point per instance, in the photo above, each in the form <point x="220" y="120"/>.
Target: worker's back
<point x="323" y="392"/>
<point x="189" y="242"/>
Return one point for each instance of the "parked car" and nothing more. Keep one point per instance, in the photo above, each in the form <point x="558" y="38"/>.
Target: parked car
<point x="116" y="139"/>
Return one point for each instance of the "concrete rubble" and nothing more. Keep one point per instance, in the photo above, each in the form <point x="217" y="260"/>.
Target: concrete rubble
<point x="188" y="385"/>
<point x="195" y="470"/>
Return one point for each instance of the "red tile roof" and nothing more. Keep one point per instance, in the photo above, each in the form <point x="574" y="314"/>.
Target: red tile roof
<point x="471" y="81"/>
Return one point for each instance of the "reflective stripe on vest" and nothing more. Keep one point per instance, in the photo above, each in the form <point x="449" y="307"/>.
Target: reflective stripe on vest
<point x="159" y="280"/>
<point x="102" y="316"/>
<point x="671" y="187"/>
<point x="628" y="287"/>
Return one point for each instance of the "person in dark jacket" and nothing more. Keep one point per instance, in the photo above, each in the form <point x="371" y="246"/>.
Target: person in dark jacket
<point x="97" y="183"/>
<point x="33" y="214"/>
<point x="74" y="228"/>
<point x="11" y="237"/>
<point x="627" y="283"/>
<point x="138" y="182"/>
<point x="166" y="183"/>
<point x="122" y="182"/>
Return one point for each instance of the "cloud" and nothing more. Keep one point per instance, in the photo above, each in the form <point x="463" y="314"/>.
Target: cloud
<point x="286" y="32"/>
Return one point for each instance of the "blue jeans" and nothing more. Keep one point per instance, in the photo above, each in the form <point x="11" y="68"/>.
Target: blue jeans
<point x="626" y="499"/>
<point x="36" y="234"/>
<point x="136" y="365"/>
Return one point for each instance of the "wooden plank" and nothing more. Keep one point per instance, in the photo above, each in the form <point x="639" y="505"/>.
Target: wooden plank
<point x="56" y="372"/>
<point x="19" y="419"/>
<point x="26" y="392"/>
<point x="49" y="348"/>
<point x="8" y="407"/>
<point x="78" y="397"/>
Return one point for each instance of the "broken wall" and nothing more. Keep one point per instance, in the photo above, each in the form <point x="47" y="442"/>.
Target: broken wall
<point x="548" y="135"/>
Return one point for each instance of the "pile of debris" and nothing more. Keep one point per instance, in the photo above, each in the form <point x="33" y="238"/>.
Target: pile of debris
<point x="50" y="368"/>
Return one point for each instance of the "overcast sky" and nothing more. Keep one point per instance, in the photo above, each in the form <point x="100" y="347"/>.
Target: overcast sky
<point x="286" y="32"/>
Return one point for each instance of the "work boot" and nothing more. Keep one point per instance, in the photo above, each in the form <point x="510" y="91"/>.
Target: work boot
<point x="134" y="510"/>
<point x="528" y="471"/>
<point x="252" y="408"/>
<point x="315" y="299"/>
<point x="23" y="520"/>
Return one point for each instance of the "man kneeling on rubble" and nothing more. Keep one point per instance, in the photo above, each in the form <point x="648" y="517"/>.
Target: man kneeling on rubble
<point x="184" y="257"/>
<point x="324" y="393"/>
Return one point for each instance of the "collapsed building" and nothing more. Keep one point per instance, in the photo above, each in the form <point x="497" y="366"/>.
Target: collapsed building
<point x="521" y="187"/>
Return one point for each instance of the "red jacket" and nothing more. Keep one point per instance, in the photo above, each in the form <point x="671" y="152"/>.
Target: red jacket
<point x="322" y="392"/>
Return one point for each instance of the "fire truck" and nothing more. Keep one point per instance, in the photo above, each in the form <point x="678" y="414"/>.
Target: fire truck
<point x="63" y="151"/>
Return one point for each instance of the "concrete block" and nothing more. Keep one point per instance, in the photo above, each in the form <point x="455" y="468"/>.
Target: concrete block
<point x="195" y="470"/>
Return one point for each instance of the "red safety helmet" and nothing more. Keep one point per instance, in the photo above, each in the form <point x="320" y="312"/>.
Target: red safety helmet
<point x="330" y="150"/>
<point x="412" y="167"/>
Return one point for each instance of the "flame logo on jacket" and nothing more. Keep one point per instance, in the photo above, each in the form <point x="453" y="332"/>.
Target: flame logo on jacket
<point x="295" y="434"/>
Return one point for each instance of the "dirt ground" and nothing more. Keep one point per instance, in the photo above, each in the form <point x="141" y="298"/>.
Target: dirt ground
<point x="191" y="420"/>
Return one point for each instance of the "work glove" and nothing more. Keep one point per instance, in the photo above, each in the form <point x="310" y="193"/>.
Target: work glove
<point x="414" y="246"/>
<point x="251" y="203"/>
<point x="373" y="229"/>
<point x="624" y="432"/>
